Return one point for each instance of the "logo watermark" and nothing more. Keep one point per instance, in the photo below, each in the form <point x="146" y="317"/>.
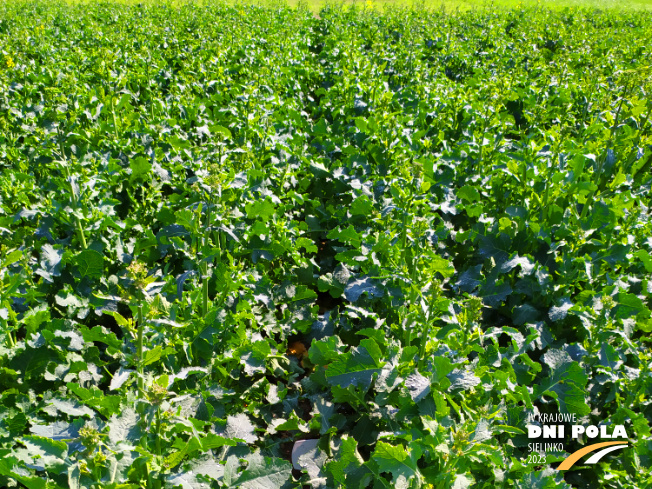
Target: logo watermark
<point x="550" y="432"/>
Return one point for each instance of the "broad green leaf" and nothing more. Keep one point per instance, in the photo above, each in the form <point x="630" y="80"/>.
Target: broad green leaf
<point x="120" y="377"/>
<point x="50" y="262"/>
<point x="324" y="351"/>
<point x="59" y="430"/>
<point x="124" y="428"/>
<point x="347" y="235"/>
<point x="418" y="386"/>
<point x="513" y="430"/>
<point x="362" y="206"/>
<point x="140" y="166"/>
<point x="211" y="441"/>
<point x="262" y="209"/>
<point x="468" y="193"/>
<point x="199" y="472"/>
<point x="240" y="427"/>
<point x="90" y="263"/>
<point x="307" y="244"/>
<point x="359" y="286"/>
<point x="527" y="265"/>
<point x="462" y="482"/>
<point x="630" y="305"/>
<point x="442" y="266"/>
<point x="566" y="383"/>
<point x="152" y="355"/>
<point x="45" y="452"/>
<point x="395" y="460"/>
<point x="9" y="468"/>
<point x="557" y="313"/>
<point x="119" y="318"/>
<point x="495" y="291"/>
<point x="102" y="335"/>
<point x="70" y="407"/>
<point x="470" y="279"/>
<point x="462" y="379"/>
<point x="311" y="459"/>
<point x="11" y="258"/>
<point x="356" y="367"/>
<point x="361" y="124"/>
<point x="645" y="258"/>
<point x="263" y="473"/>
<point x="223" y="131"/>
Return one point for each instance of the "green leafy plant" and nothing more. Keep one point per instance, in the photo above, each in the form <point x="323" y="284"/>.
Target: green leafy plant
<point x="247" y="246"/>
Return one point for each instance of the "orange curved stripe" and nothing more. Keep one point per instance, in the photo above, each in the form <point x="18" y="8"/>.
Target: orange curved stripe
<point x="575" y="456"/>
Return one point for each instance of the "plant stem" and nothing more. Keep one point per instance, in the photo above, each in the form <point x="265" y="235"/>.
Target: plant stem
<point x="204" y="267"/>
<point x="115" y="123"/>
<point x="404" y="233"/>
<point x="141" y="327"/>
<point x="426" y="329"/>
<point x="74" y="198"/>
<point x="80" y="230"/>
<point x="12" y="343"/>
<point x="409" y="331"/>
<point x="204" y="288"/>
<point x="158" y="430"/>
